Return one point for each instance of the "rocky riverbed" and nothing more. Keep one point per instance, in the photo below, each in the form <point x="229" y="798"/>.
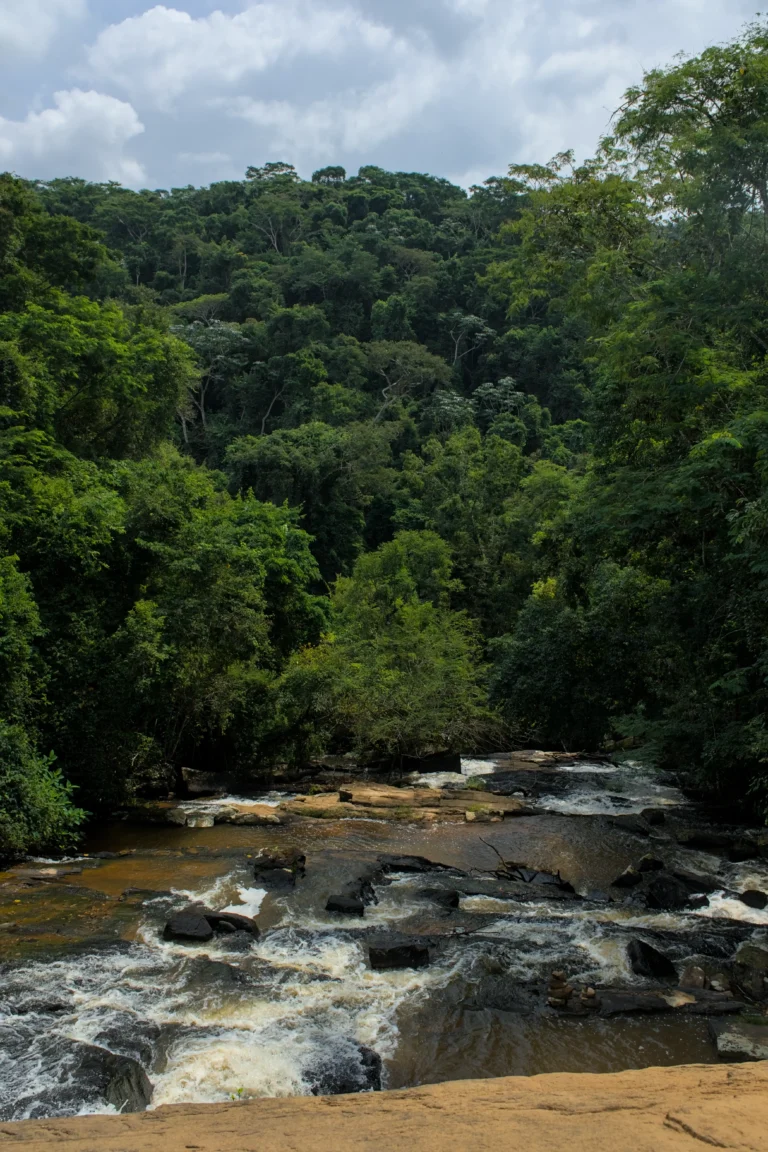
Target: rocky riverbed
<point x="524" y="914"/>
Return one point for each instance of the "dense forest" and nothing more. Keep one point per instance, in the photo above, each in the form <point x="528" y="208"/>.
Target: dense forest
<point x="371" y="463"/>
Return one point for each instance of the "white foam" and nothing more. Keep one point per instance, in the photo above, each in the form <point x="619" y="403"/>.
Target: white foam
<point x="723" y="906"/>
<point x="251" y="900"/>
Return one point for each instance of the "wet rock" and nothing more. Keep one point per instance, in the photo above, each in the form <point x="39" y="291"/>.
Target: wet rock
<point x="394" y="951"/>
<point x="750" y="970"/>
<point x="125" y="1035"/>
<point x="645" y="960"/>
<point x="697" y="881"/>
<point x="618" y="1002"/>
<point x="200" y="820"/>
<point x="188" y="927"/>
<point x="256" y="819"/>
<point x="740" y="1040"/>
<point x="653" y="816"/>
<point x="444" y="897"/>
<point x="176" y="816"/>
<point x="229" y="922"/>
<point x="649" y="863"/>
<point x="118" y="1080"/>
<point x="278" y="872"/>
<point x="345" y="905"/>
<point x="633" y="824"/>
<point x="735" y="847"/>
<point x="355" y="1070"/>
<point x="559" y="991"/>
<point x="526" y="875"/>
<point x="629" y="878"/>
<point x="597" y="896"/>
<point x="674" y="890"/>
<point x="753" y="898"/>
<point x="414" y="864"/>
<point x="693" y="977"/>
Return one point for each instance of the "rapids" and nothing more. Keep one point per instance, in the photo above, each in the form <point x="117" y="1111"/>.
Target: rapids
<point x="84" y="960"/>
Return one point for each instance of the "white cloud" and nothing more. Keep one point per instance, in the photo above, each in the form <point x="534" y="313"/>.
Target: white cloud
<point x="165" y="52"/>
<point x="85" y="134"/>
<point x="351" y="121"/>
<point x="29" y="26"/>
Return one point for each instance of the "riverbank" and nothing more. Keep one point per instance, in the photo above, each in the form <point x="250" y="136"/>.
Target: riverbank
<point x="653" y="1110"/>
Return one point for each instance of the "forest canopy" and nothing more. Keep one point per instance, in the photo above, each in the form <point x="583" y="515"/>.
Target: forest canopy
<point x="373" y="463"/>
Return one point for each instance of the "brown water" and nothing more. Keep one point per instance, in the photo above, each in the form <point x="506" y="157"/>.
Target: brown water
<point x="86" y="963"/>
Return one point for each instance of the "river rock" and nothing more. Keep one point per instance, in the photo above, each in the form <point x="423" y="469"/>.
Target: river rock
<point x="188" y="926"/>
<point x="735" y="847"/>
<point x="617" y="1002"/>
<point x="629" y="823"/>
<point x="649" y="863"/>
<point x="629" y="878"/>
<point x="256" y="819"/>
<point x="394" y="951"/>
<point x="738" y="1040"/>
<point x="750" y="969"/>
<point x="646" y="961"/>
<point x="342" y="1073"/>
<point x="753" y="898"/>
<point x="118" y="1080"/>
<point x="278" y="872"/>
<point x="693" y="977"/>
<point x="653" y="816"/>
<point x="230" y="922"/>
<point x="412" y="864"/>
<point x="445" y="898"/>
<point x="345" y="904"/>
<point x="669" y="892"/>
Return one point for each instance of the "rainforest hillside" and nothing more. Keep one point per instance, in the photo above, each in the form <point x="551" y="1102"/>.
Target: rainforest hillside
<point x="370" y="462"/>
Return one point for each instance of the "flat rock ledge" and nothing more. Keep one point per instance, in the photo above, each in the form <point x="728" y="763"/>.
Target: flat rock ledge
<point x="654" y="1110"/>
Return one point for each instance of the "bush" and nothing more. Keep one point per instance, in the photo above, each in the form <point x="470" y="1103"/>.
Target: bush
<point x="36" y="809"/>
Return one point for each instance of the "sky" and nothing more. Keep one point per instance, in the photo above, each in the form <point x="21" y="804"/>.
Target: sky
<point x="170" y="94"/>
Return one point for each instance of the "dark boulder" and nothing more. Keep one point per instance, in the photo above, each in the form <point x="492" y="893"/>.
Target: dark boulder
<point x="620" y="1002"/>
<point x="697" y="881"/>
<point x="630" y="823"/>
<point x="753" y="898"/>
<point x="356" y="1068"/>
<point x="644" y="960"/>
<point x="649" y="863"/>
<point x="750" y="970"/>
<point x="119" y="1080"/>
<point x="393" y="951"/>
<point x="230" y="922"/>
<point x="415" y="864"/>
<point x="526" y="875"/>
<point x="345" y="905"/>
<point x="735" y="847"/>
<point x="188" y="926"/>
<point x="355" y="896"/>
<point x="278" y="872"/>
<point x="629" y="878"/>
<point x="671" y="891"/>
<point x="653" y="816"/>
<point x="444" y="897"/>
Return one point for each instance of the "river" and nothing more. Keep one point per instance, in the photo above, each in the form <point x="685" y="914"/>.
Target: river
<point x="84" y="961"/>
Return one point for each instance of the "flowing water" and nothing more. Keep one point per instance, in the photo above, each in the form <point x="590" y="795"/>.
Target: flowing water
<point x="86" y="962"/>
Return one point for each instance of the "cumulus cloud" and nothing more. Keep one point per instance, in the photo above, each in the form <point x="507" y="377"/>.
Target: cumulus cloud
<point x="456" y="87"/>
<point x="84" y="134"/>
<point x="164" y="52"/>
<point x="29" y="26"/>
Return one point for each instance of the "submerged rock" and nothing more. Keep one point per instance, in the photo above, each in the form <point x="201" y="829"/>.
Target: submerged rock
<point x="750" y="969"/>
<point x="645" y="960"/>
<point x="629" y="878"/>
<point x="358" y="1070"/>
<point x="394" y="951"/>
<point x="278" y="872"/>
<point x="446" y="898"/>
<point x="740" y="1040"/>
<point x="753" y="898"/>
<point x="188" y="926"/>
<point x="412" y="864"/>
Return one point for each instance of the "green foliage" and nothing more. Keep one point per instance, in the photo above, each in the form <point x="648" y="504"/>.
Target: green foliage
<point x="367" y="462"/>
<point x="398" y="673"/>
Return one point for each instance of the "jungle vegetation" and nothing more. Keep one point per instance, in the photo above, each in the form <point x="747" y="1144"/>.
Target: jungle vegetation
<point x="372" y="463"/>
